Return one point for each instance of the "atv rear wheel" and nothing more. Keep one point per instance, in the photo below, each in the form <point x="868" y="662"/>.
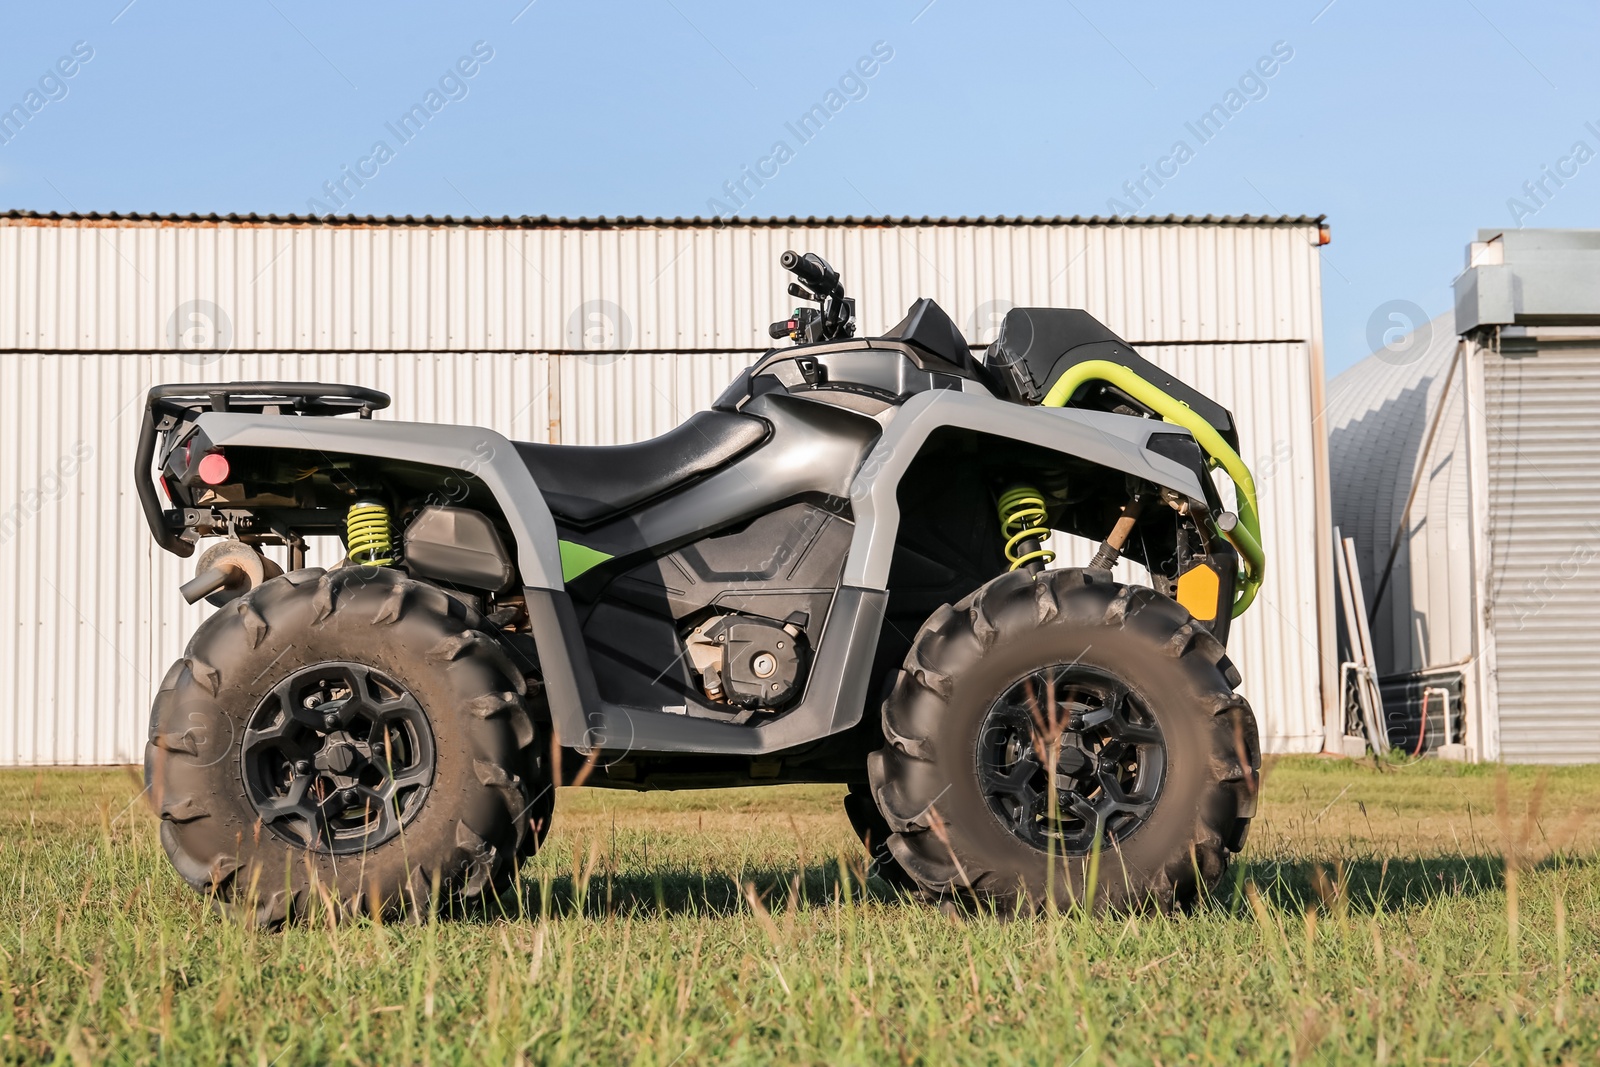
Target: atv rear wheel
<point x="351" y="739"/>
<point x="1068" y="738"/>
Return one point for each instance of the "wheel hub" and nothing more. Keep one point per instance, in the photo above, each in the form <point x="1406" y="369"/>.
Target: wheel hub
<point x="1067" y="755"/>
<point x="337" y="758"/>
<point x="1074" y="761"/>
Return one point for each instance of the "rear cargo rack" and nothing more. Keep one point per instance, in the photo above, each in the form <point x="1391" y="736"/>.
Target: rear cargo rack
<point x="168" y="406"/>
<point x="268" y="398"/>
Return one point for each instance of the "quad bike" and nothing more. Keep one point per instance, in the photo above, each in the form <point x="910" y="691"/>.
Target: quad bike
<point x="838" y="573"/>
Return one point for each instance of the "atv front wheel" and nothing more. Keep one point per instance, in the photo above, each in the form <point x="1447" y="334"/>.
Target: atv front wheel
<point x="1049" y="727"/>
<point x="352" y="739"/>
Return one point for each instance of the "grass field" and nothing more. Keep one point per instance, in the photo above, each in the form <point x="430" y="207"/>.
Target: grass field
<point x="1420" y="914"/>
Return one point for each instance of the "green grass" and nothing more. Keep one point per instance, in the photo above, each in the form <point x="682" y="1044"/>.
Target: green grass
<point x="1421" y="914"/>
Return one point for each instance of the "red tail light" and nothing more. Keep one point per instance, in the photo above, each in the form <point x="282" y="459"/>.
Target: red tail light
<point x="214" y="468"/>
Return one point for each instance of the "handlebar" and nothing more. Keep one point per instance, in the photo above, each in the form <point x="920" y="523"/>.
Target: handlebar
<point x="835" y="317"/>
<point x="798" y="324"/>
<point x="811" y="269"/>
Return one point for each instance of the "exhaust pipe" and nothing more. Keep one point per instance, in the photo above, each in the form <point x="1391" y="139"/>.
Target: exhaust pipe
<point x="228" y="570"/>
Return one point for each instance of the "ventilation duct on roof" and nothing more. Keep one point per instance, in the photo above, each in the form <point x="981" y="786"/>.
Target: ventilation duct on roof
<point x="1530" y="278"/>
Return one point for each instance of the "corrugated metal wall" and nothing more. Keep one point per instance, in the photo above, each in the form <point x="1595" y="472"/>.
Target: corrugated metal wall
<point x="103" y="286"/>
<point x="91" y="604"/>
<point x="1544" y="552"/>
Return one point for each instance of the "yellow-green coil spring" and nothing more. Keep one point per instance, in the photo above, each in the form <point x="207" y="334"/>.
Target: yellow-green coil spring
<point x="369" y="534"/>
<point x="1022" y="518"/>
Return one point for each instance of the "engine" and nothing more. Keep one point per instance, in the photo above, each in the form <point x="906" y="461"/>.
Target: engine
<point x="748" y="661"/>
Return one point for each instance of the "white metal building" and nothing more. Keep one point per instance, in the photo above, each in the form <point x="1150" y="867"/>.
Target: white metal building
<point x="577" y="331"/>
<point x="1485" y="420"/>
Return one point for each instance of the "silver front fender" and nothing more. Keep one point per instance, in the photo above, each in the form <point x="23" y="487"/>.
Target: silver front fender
<point x="1114" y="441"/>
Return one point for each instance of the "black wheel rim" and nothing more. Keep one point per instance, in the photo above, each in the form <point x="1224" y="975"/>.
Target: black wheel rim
<point x="338" y="758"/>
<point x="1108" y="751"/>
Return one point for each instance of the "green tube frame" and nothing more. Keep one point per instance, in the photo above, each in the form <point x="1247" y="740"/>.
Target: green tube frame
<point x="1246" y="535"/>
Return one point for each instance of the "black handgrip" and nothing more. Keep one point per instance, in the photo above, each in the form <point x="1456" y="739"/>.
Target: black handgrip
<point x="811" y="269"/>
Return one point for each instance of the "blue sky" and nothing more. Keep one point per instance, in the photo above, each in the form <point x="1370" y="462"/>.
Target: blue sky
<point x="1410" y="124"/>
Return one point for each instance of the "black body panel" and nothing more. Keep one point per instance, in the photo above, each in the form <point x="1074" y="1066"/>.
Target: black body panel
<point x="457" y="546"/>
<point x="831" y="710"/>
<point x="585" y="484"/>
<point x="865" y="376"/>
<point x="928" y="327"/>
<point x="1037" y="345"/>
<point x="779" y="563"/>
<point x="783" y="565"/>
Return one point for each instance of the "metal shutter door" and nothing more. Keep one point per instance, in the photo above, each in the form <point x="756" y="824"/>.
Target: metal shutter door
<point x="1543" y="432"/>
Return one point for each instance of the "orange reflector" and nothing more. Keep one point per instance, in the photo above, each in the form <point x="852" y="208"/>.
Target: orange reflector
<point x="1197" y="591"/>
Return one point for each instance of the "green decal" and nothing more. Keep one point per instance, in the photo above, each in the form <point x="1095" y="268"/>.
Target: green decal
<point x="576" y="558"/>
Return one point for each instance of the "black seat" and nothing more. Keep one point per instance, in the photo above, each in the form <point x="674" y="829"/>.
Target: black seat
<point x="586" y="483"/>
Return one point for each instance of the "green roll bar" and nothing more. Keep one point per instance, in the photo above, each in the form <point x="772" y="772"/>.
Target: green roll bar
<point x="1244" y="535"/>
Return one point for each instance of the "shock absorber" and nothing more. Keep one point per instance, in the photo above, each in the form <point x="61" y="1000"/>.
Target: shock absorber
<point x="1023" y="525"/>
<point x="1111" y="548"/>
<point x="369" y="534"/>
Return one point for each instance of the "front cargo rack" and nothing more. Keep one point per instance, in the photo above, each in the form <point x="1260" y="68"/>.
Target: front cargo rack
<point x="168" y="406"/>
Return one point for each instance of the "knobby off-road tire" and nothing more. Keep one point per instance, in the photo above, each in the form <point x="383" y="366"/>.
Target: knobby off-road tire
<point x="462" y="835"/>
<point x="953" y="837"/>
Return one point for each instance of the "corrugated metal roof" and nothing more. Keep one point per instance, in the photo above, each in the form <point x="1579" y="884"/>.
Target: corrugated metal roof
<point x="627" y="222"/>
